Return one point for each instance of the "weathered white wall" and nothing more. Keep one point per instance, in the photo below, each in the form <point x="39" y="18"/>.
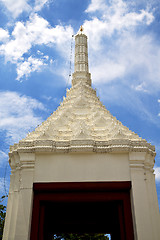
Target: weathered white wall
<point x="77" y="167"/>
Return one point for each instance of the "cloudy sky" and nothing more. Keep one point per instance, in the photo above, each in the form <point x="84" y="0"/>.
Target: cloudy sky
<point x="35" y="49"/>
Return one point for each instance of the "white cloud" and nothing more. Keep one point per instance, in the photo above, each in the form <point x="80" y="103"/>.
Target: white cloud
<point x="131" y="58"/>
<point x="117" y="51"/>
<point x="30" y="65"/>
<point x="105" y="69"/>
<point x="4" y="35"/>
<point x="96" y="5"/>
<point x="16" y="7"/>
<point x="39" y="4"/>
<point x="140" y="88"/>
<point x="51" y="98"/>
<point x="26" y="35"/>
<point x="17" y="115"/>
<point x="140" y="55"/>
<point x="114" y="16"/>
<point x="157" y="173"/>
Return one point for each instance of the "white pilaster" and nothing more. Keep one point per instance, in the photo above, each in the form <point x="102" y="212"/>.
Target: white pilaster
<point x="145" y="203"/>
<point x="19" y="207"/>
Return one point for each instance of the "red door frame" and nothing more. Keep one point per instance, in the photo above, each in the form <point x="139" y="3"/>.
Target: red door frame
<point x="83" y="192"/>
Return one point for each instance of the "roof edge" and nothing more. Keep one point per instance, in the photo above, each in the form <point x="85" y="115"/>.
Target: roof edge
<point x="88" y="145"/>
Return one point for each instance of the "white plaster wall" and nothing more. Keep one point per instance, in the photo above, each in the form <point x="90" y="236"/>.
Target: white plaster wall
<point x="81" y="167"/>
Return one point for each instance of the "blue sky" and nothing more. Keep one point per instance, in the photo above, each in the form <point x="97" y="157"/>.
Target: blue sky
<point x="124" y="60"/>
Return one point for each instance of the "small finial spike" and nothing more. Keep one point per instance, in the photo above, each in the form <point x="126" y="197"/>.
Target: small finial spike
<point x="81" y="29"/>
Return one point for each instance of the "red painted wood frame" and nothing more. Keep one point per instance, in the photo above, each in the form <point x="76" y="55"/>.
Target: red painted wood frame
<point x="82" y="192"/>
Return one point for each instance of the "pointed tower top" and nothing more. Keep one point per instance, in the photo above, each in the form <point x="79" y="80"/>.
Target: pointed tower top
<point x="81" y="69"/>
<point x="81" y="29"/>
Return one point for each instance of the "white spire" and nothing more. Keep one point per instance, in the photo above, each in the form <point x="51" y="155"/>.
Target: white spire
<point x="81" y="52"/>
<point x="81" y="72"/>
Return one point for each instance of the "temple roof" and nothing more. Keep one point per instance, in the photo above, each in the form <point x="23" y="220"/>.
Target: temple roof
<point x="81" y="122"/>
<point x="81" y="116"/>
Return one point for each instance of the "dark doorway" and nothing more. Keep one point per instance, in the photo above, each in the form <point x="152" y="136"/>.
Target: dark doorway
<point x="81" y="218"/>
<point x="82" y="208"/>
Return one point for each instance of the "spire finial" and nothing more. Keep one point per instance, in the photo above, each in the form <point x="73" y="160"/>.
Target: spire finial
<point x="81" y="29"/>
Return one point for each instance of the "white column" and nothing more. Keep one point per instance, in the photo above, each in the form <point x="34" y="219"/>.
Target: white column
<point x="19" y="207"/>
<point x="145" y="203"/>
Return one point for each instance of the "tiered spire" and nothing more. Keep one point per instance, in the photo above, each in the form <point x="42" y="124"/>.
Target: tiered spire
<point x="81" y="72"/>
<point x="81" y="52"/>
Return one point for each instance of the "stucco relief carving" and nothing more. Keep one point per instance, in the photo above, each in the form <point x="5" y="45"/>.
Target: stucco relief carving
<point x="82" y="123"/>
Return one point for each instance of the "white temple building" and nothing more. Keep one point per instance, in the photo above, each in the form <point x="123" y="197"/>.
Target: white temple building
<point x="82" y="156"/>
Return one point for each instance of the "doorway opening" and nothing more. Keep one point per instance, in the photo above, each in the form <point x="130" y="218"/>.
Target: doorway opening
<point x="82" y="209"/>
<point x="84" y="236"/>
